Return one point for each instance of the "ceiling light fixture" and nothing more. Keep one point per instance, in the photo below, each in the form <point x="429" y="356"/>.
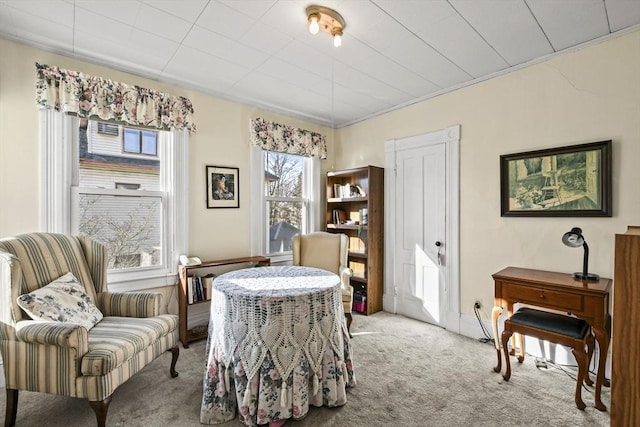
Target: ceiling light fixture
<point x="327" y="20"/>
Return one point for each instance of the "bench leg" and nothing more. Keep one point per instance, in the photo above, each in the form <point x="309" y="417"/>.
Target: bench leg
<point x="581" y="358"/>
<point x="506" y="334"/>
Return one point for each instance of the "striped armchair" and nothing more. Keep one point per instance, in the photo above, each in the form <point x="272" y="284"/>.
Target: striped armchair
<point x="64" y="358"/>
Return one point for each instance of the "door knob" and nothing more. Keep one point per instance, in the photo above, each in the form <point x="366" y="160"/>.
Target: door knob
<point x="439" y="246"/>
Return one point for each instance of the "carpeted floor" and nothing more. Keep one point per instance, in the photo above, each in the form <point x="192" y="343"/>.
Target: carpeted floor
<point x="409" y="374"/>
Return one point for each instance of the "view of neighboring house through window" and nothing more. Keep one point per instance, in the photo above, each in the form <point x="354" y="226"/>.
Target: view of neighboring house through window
<point x="287" y="199"/>
<point x="119" y="195"/>
<point x="140" y="142"/>
<point x="108" y="128"/>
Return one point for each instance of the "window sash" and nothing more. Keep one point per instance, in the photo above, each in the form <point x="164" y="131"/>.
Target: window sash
<point x="260" y="221"/>
<point x="267" y="223"/>
<point x="158" y="196"/>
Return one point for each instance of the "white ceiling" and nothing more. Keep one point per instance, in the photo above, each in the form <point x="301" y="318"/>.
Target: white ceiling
<point x="259" y="52"/>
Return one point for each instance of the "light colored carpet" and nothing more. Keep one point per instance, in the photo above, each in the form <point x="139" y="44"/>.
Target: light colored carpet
<point x="409" y="374"/>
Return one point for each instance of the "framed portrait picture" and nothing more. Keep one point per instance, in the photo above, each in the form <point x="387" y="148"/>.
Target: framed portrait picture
<point x="558" y="182"/>
<point x="223" y="187"/>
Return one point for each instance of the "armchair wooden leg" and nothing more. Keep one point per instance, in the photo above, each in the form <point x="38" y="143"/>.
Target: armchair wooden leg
<point x="12" y="407"/>
<point x="175" y="352"/>
<point x="349" y="320"/>
<point x="100" y="408"/>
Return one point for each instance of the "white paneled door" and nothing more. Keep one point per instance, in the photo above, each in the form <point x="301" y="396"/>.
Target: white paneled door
<point x="420" y="231"/>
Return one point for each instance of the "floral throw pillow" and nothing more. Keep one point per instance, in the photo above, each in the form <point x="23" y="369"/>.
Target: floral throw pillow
<point x="63" y="300"/>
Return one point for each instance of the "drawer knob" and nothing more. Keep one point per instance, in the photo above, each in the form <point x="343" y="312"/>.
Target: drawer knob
<point x="542" y="296"/>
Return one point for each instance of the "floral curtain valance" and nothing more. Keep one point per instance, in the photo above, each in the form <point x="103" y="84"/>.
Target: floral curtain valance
<point x="287" y="139"/>
<point x="88" y="96"/>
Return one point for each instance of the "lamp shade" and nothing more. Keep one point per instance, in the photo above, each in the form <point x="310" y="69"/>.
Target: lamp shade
<point x="575" y="239"/>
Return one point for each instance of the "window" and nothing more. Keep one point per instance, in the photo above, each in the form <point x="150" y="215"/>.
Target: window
<point x="140" y="142"/>
<point x="108" y="129"/>
<point x="285" y="183"/>
<point x="126" y="218"/>
<point x="127" y="186"/>
<point x="135" y="206"/>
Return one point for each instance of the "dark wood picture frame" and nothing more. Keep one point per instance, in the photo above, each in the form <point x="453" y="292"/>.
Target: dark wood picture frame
<point x="223" y="187"/>
<point x="571" y="181"/>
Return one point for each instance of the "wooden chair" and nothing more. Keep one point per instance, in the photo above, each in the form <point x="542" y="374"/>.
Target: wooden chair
<point x="558" y="328"/>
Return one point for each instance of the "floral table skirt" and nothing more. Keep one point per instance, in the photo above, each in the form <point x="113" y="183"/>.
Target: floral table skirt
<point x="267" y="397"/>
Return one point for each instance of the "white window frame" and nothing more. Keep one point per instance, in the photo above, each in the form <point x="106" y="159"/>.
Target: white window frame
<point x="259" y="220"/>
<point x="59" y="142"/>
<point x="140" y="152"/>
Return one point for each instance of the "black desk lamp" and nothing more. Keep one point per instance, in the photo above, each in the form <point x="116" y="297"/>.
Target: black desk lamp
<point x="575" y="239"/>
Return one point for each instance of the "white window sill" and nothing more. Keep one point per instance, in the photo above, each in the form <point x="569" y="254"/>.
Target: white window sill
<point x="140" y="284"/>
<point x="286" y="259"/>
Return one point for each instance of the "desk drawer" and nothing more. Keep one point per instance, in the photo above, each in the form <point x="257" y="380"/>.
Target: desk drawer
<point x="545" y="298"/>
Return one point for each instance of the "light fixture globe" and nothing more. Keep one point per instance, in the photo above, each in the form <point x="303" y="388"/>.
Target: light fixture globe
<point x="575" y="239"/>
<point x="314" y="23"/>
<point x="337" y="38"/>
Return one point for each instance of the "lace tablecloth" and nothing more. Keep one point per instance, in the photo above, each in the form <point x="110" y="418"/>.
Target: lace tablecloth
<point x="277" y="343"/>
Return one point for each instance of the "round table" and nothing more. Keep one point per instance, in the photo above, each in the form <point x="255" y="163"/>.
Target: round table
<point x="278" y="343"/>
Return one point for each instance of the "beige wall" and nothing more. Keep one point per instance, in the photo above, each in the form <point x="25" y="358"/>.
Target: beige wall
<point x="587" y="95"/>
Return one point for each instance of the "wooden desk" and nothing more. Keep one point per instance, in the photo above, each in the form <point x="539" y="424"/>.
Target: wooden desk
<point x="561" y="292"/>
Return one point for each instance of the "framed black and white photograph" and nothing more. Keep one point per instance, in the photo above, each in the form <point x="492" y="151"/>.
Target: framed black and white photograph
<point x="223" y="187"/>
<point x="571" y="181"/>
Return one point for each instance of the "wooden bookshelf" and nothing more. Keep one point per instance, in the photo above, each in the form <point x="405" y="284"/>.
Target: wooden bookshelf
<point x="345" y="199"/>
<point x="198" y="332"/>
<point x="625" y="341"/>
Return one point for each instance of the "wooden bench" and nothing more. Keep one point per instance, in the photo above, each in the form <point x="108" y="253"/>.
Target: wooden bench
<point x="557" y="328"/>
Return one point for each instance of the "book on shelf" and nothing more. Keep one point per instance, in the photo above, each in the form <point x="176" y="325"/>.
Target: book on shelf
<point x="207" y="284"/>
<point x="338" y="216"/>
<point x="356" y="244"/>
<point x="199" y="289"/>
<point x="357" y="268"/>
<point x="345" y="191"/>
<point x="337" y="190"/>
<point x="341" y="191"/>
<point x="190" y="289"/>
